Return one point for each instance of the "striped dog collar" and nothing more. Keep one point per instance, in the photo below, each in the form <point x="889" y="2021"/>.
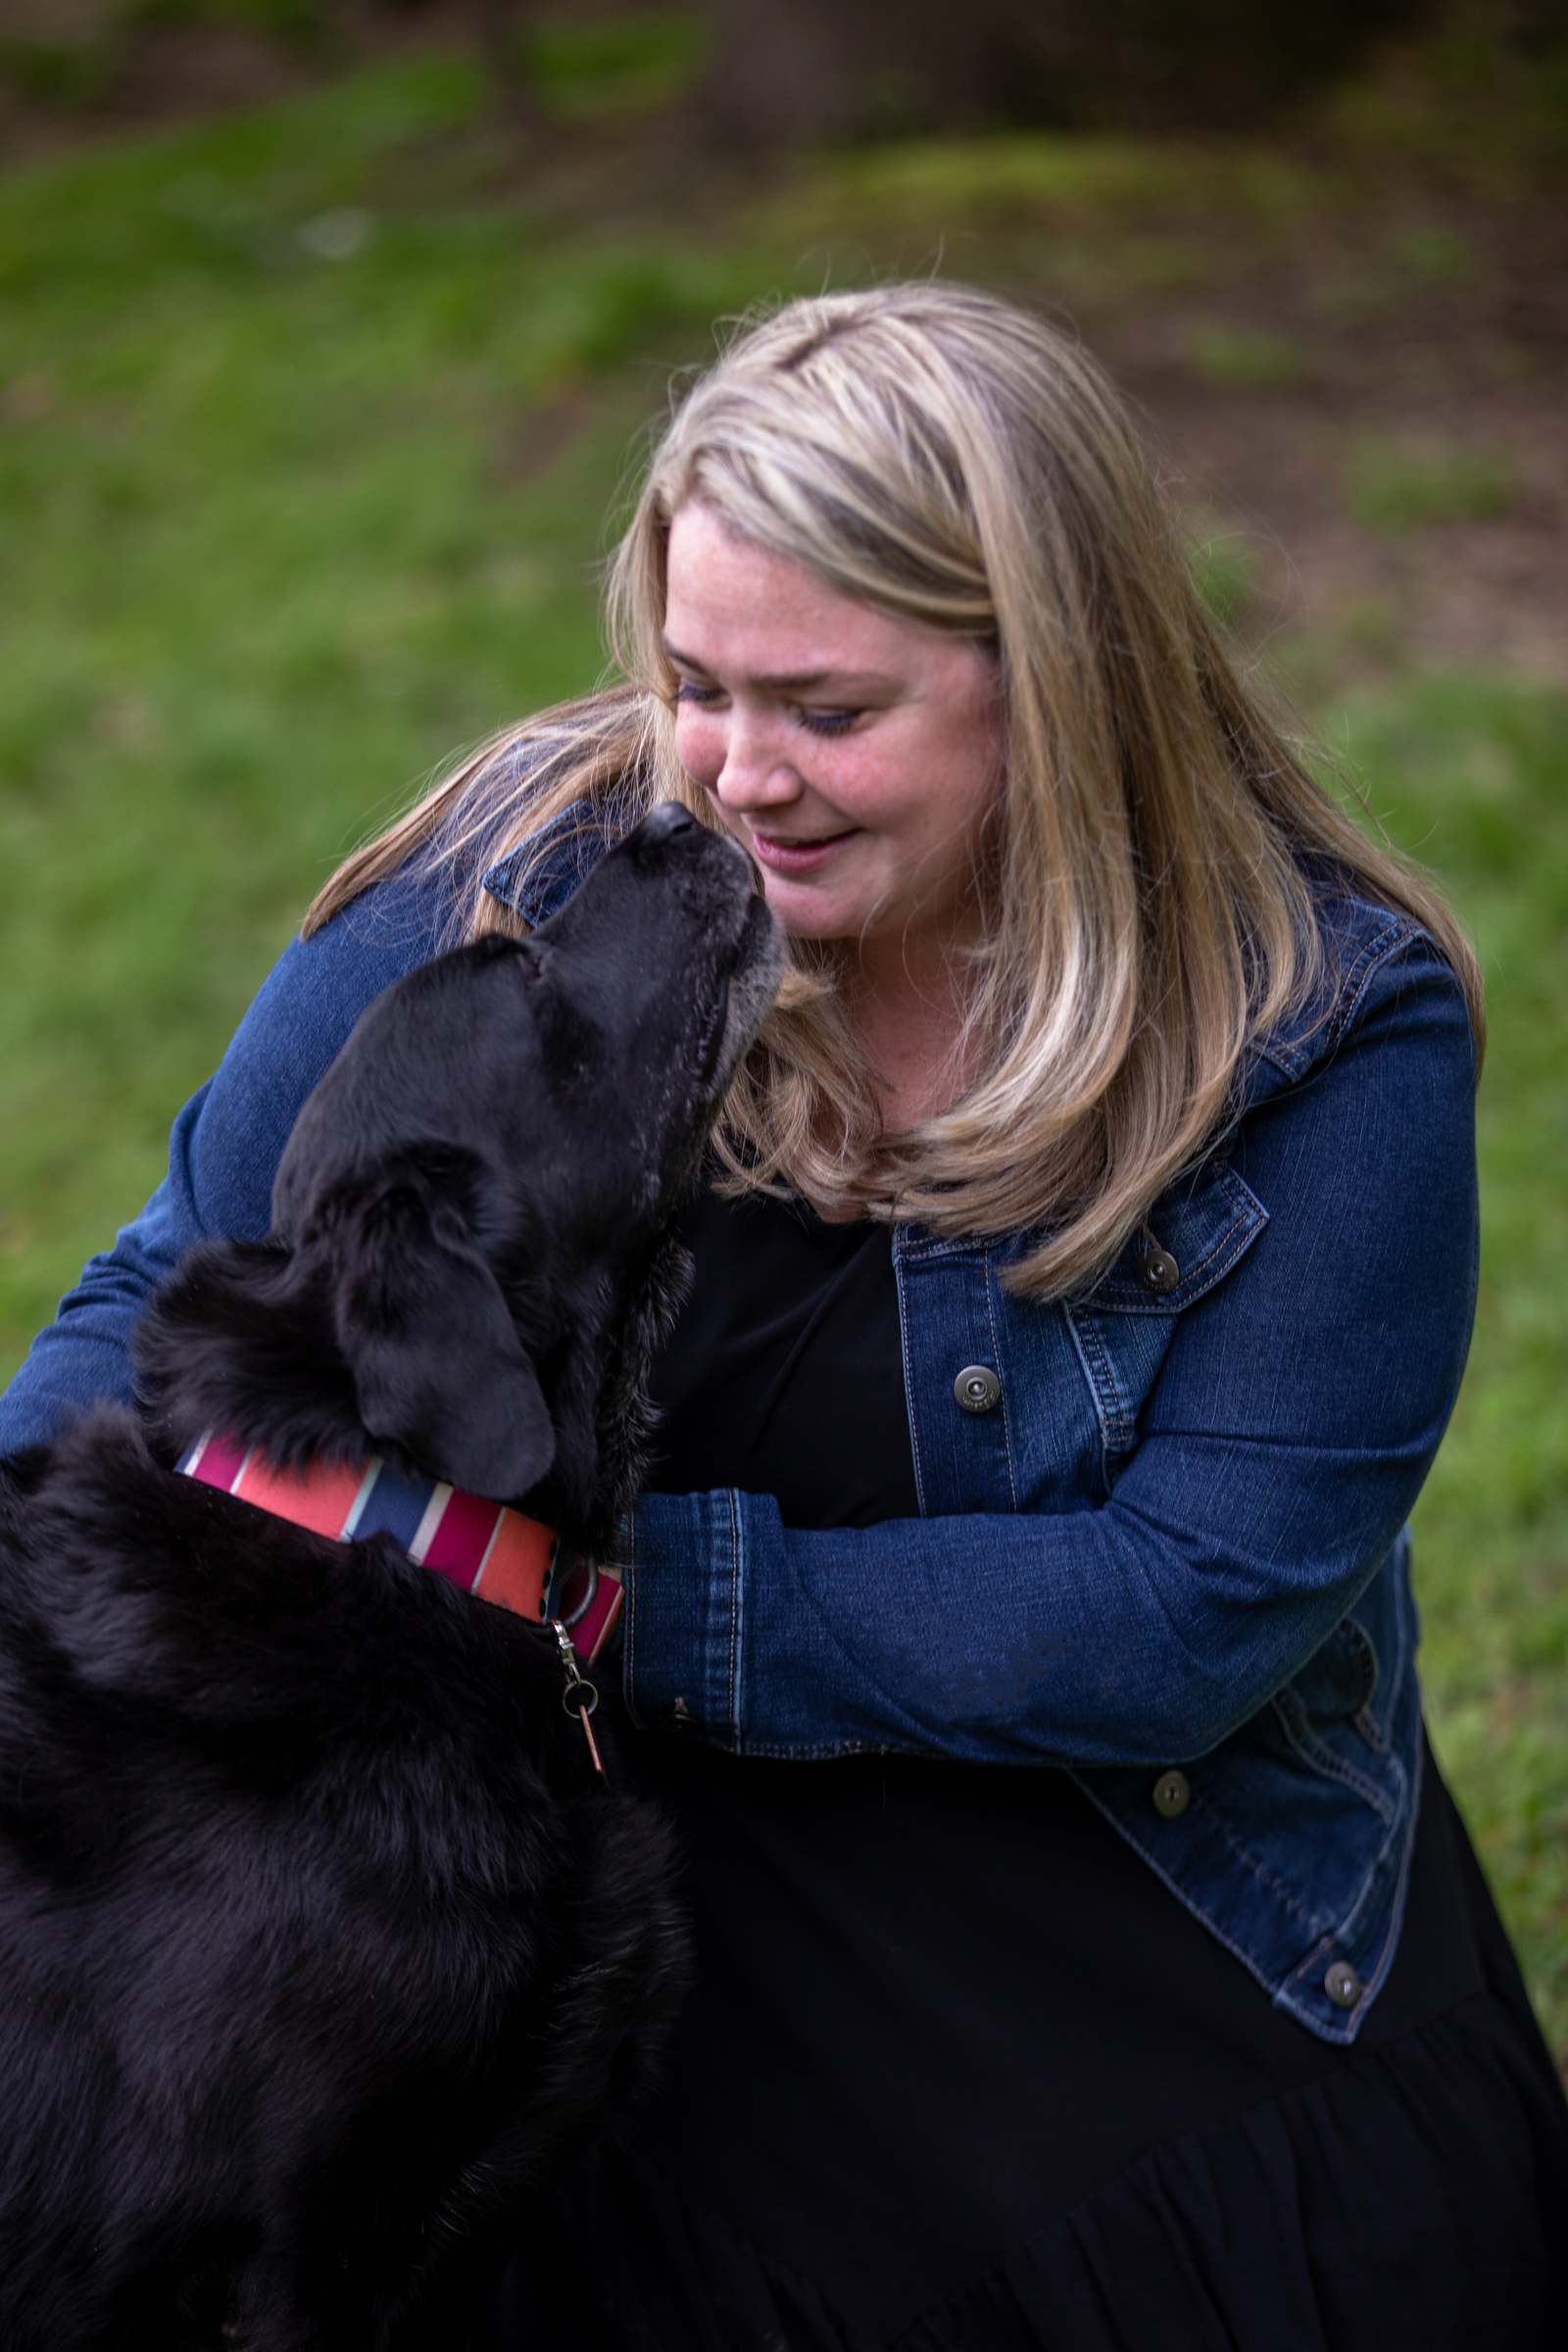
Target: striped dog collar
<point x="485" y="1547"/>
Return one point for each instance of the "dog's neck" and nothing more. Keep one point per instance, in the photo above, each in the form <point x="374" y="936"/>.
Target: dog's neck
<point x="482" y="1547"/>
<point x="242" y="1339"/>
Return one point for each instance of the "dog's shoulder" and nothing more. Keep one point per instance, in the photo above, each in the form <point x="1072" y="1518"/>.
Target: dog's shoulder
<point x="201" y="1619"/>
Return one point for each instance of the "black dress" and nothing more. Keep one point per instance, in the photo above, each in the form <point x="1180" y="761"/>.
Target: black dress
<point x="957" y="2072"/>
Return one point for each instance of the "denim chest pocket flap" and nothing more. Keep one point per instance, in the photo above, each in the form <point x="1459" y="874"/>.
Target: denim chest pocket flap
<point x="1058" y="1384"/>
<point x="1193" y="1236"/>
<point x="1196" y="1232"/>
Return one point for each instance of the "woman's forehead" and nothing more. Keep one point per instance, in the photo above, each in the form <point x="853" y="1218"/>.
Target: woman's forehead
<point x="727" y="598"/>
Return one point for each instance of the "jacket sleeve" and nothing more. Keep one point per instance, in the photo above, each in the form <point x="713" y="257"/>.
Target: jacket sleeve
<point x="225" y="1149"/>
<point x="1279" y="1450"/>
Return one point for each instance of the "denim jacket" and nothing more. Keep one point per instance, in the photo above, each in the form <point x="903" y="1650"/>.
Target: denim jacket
<point x="1166" y="1555"/>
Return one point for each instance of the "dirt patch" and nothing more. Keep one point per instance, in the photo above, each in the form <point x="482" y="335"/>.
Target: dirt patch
<point x="1399" y="489"/>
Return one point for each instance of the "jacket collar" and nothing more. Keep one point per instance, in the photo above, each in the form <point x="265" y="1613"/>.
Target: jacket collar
<point x="537" y="878"/>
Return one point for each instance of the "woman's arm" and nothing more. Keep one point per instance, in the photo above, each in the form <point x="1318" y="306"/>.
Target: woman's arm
<point x="225" y="1149"/>
<point x="1279" y="1450"/>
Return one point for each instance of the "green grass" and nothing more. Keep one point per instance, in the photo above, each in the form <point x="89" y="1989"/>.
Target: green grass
<point x="1394" y="489"/>
<point x="1473" y="777"/>
<point x="271" y="544"/>
<point x="1226" y="570"/>
<point x="309" y="422"/>
<point x="1241" y="361"/>
<point x="622" y="64"/>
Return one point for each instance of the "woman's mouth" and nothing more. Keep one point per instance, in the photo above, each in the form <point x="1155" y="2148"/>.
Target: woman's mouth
<point x="795" y="858"/>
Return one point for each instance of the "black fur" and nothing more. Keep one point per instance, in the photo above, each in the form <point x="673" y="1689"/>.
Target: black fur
<point x="320" y="1947"/>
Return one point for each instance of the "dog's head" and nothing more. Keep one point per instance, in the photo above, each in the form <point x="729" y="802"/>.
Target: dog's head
<point x="469" y="1258"/>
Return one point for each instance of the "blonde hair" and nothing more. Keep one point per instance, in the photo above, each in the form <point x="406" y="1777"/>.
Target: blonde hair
<point x="938" y="452"/>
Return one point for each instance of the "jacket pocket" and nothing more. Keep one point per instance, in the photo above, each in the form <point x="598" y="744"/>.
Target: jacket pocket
<point x="1291" y="1841"/>
<point x="1339" y="1682"/>
<point x="1197" y="1230"/>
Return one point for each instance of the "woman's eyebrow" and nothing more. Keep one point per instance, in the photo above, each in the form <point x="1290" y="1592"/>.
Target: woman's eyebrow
<point x="686" y="661"/>
<point x="797" y="681"/>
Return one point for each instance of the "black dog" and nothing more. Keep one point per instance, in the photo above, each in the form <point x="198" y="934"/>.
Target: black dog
<point x="322" y="1945"/>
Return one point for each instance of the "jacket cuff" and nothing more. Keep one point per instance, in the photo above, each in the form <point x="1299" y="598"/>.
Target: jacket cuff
<point x="685" y="1563"/>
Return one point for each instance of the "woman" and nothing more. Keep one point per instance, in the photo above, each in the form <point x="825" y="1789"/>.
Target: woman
<point x="1087" y="1951"/>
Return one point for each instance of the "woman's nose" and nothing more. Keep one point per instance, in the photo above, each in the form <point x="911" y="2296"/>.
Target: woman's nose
<point x="754" y="774"/>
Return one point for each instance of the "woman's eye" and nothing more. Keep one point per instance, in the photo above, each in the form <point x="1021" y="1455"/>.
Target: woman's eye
<point x="828" y="722"/>
<point x="697" y="697"/>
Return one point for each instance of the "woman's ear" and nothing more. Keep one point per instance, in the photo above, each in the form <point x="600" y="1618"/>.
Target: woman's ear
<point x="436" y="1360"/>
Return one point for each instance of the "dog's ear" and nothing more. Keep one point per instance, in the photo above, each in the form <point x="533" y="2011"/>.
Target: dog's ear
<point x="435" y="1356"/>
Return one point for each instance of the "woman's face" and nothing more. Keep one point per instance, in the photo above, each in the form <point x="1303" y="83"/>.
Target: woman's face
<point x="853" y="752"/>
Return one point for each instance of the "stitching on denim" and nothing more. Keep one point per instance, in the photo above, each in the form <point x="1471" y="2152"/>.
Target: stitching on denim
<point x="1392" y="932"/>
<point x="1291" y="1060"/>
<point x="812" y="1751"/>
<point x="1390" y="1942"/>
<point x="1202" y="1277"/>
<point x="1368" y="1666"/>
<point x="1308" y="1969"/>
<point x="1248" y="1218"/>
<point x="1176" y="1889"/>
<point x="995" y="1355"/>
<point x="938" y="1245"/>
<point x="1122" y="1427"/>
<point x="1369" y="1655"/>
<point x="1355" y="982"/>
<point x="1120" y="1433"/>
<point x="1348" y="1927"/>
<point x="908" y="1389"/>
<point x="732" y="1710"/>
<point x="1252" y="1863"/>
<point x="1401" y="1822"/>
<point x="1365" y="1718"/>
<point x="1323" y="1760"/>
<point x="1247" y="1223"/>
<point x="1228" y="1247"/>
<point x="1070" y="1317"/>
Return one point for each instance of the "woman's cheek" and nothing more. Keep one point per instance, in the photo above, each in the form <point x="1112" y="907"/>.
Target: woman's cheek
<point x="699" y="747"/>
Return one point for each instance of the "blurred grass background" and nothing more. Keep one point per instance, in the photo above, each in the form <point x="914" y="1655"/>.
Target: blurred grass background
<point x="311" y="417"/>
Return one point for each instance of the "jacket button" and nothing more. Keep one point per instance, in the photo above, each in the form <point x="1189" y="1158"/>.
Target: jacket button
<point x="1157" y="1270"/>
<point x="1341" y="1984"/>
<point x="1173" y="1794"/>
<point x="977" y="1389"/>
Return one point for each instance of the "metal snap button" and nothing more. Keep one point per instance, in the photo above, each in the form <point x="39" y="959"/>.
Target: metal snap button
<point x="977" y="1389"/>
<point x="1157" y="1270"/>
<point x="1173" y="1794"/>
<point x="1341" y="1984"/>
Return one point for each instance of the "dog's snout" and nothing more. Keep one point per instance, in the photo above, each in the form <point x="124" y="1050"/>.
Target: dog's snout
<point x="665" y="821"/>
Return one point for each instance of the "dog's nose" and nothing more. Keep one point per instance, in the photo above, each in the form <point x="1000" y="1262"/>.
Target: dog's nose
<point x="665" y="821"/>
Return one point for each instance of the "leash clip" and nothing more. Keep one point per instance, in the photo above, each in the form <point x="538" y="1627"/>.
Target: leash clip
<point x="580" y="1697"/>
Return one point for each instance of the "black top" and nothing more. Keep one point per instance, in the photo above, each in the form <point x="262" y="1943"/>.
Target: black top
<point x="785" y="1373"/>
<point x="942" y="2012"/>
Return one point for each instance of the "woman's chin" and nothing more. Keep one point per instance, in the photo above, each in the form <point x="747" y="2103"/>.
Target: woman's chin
<point x="804" y="910"/>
